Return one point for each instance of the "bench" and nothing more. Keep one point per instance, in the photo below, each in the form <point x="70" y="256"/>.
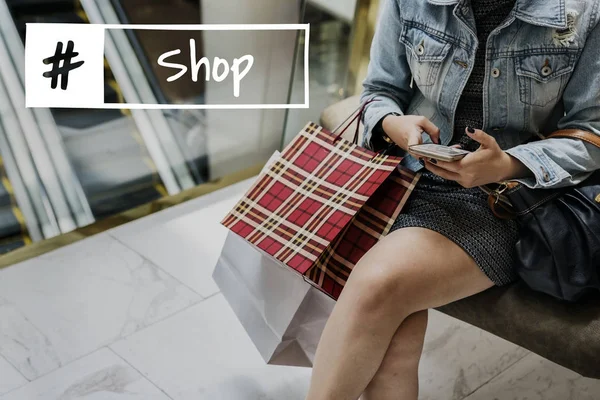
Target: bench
<point x="567" y="334"/>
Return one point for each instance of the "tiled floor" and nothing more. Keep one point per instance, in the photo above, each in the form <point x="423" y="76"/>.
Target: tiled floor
<point x="134" y="314"/>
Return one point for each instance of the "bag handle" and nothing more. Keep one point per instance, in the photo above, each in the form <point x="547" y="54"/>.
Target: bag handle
<point x="586" y="136"/>
<point x="356" y="116"/>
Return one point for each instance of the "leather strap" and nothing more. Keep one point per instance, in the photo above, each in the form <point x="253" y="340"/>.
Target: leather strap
<point x="502" y="211"/>
<point x="576" y="134"/>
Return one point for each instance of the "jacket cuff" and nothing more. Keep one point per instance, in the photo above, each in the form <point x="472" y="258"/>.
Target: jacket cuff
<point x="546" y="173"/>
<point x="373" y="115"/>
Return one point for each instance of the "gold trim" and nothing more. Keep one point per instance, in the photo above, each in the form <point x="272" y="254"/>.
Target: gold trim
<point x="387" y="139"/>
<point x="597" y="198"/>
<point x="365" y="20"/>
<point x="13" y="204"/>
<point x="81" y="14"/>
<point x="156" y="182"/>
<point x="110" y="81"/>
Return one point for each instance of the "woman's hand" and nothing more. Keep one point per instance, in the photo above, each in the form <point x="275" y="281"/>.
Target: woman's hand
<point x="488" y="164"/>
<point x="406" y="130"/>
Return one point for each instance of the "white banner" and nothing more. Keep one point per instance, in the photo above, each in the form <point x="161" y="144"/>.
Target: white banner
<point x="64" y="65"/>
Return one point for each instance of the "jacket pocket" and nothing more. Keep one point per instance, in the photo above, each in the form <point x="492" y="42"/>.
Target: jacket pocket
<point x="543" y="77"/>
<point x="425" y="53"/>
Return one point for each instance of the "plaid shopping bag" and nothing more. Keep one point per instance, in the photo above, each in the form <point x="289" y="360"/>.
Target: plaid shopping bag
<point x="372" y="222"/>
<point x="317" y="208"/>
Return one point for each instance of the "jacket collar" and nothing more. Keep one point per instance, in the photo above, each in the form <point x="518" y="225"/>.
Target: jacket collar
<point x="551" y="13"/>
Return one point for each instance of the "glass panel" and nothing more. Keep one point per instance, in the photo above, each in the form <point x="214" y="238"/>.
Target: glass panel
<point x="332" y="22"/>
<point x="62" y="169"/>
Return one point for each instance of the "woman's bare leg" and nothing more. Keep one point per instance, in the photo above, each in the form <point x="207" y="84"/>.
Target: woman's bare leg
<point x="397" y="376"/>
<point x="411" y="270"/>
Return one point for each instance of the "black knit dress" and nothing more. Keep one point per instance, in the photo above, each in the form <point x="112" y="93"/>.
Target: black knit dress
<point x="461" y="214"/>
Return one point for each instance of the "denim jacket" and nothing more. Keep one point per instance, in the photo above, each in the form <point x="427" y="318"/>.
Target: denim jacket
<point x="542" y="75"/>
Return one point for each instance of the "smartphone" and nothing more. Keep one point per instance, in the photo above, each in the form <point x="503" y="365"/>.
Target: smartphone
<point x="438" y="152"/>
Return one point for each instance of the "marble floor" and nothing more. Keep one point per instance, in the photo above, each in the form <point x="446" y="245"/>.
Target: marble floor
<point x="133" y="313"/>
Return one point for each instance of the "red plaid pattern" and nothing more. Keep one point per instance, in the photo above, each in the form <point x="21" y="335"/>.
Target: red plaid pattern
<point x="313" y="192"/>
<point x="372" y="222"/>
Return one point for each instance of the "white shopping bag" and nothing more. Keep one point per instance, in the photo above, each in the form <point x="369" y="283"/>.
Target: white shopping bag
<point x="283" y="315"/>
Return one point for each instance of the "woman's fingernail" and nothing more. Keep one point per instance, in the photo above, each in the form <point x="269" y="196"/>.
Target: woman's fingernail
<point x="433" y="161"/>
<point x="470" y="130"/>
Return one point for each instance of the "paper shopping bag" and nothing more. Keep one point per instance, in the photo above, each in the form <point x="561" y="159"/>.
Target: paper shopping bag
<point x="282" y="314"/>
<point x="318" y="208"/>
<point x="371" y="223"/>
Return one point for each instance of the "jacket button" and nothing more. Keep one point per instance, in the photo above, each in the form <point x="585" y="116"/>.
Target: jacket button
<point x="546" y="175"/>
<point x="546" y="70"/>
<point x="495" y="72"/>
<point x="420" y="50"/>
<point x="597" y="198"/>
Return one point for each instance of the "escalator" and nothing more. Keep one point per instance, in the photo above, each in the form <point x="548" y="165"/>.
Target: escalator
<point x="103" y="146"/>
<point x="13" y="231"/>
<point x="118" y="159"/>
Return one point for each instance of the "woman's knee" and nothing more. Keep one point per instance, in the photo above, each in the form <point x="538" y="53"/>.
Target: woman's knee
<point x="413" y="269"/>
<point x="385" y="285"/>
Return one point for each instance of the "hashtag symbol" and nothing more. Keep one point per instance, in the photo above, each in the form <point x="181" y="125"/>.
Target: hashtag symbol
<point x="63" y="70"/>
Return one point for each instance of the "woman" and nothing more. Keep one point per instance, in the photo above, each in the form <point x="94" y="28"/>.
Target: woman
<point x="536" y="71"/>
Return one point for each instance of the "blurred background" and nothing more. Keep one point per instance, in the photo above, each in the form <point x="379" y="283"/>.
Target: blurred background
<point x="69" y="173"/>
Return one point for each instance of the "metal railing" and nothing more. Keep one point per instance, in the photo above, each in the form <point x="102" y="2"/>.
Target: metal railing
<point x="153" y="125"/>
<point x="43" y="139"/>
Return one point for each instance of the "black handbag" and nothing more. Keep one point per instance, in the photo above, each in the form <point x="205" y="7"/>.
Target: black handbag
<point x="558" y="251"/>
